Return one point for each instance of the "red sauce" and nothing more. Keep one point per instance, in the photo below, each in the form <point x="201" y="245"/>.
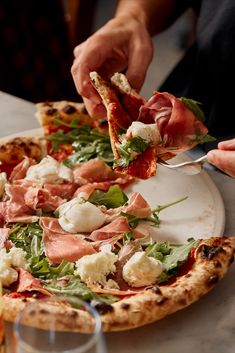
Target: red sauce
<point x="7" y="167"/>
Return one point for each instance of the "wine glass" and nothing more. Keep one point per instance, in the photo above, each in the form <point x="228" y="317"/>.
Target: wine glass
<point x="59" y="325"/>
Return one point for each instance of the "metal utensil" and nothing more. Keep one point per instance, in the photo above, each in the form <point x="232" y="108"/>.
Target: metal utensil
<point x="188" y="167"/>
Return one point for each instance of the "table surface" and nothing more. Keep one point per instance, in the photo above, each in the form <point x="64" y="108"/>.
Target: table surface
<point x="206" y="326"/>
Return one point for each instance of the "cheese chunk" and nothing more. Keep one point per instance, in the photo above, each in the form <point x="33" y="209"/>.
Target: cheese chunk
<point x="77" y="216"/>
<point x="3" y="181"/>
<point x="49" y="171"/>
<point x="94" y="268"/>
<point x="15" y="258"/>
<point x="141" y="270"/>
<point x="148" y="132"/>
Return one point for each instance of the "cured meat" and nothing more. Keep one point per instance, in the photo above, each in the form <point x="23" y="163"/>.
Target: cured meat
<point x="60" y="245"/>
<point x="20" y="170"/>
<point x="118" y="226"/>
<point x="26" y="282"/>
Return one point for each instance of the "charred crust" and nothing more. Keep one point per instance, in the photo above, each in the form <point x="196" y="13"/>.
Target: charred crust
<point x="69" y="109"/>
<point x="101" y="307"/>
<point x="51" y="111"/>
<point x="74" y="314"/>
<point x="103" y="123"/>
<point x="208" y="252"/>
<point x="188" y="275"/>
<point x="24" y="300"/>
<point x="160" y="300"/>
<point x="231" y="259"/>
<point x="213" y="279"/>
<point x="182" y="302"/>
<point x="83" y="110"/>
<point x="125" y="306"/>
<point x="156" y="290"/>
<point x="217" y="264"/>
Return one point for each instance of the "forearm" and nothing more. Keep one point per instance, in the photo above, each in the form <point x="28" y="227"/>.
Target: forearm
<point x="156" y="15"/>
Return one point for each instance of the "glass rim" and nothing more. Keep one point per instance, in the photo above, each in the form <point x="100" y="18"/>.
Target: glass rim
<point x="93" y="339"/>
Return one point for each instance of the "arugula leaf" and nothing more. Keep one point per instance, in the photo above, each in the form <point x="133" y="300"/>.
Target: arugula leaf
<point x="178" y="254"/>
<point x="112" y="198"/>
<point x="153" y="219"/>
<point x="158" y="250"/>
<point x="129" y="149"/>
<point x="74" y="286"/>
<point x="194" y="107"/>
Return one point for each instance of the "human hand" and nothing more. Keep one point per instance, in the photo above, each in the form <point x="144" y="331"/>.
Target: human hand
<point x="123" y="44"/>
<point x="224" y="157"/>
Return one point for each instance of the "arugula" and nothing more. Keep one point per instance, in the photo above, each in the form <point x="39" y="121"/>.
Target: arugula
<point x="73" y="286"/>
<point x="194" y="107"/>
<point x="178" y="254"/>
<point x="87" y="142"/>
<point x="154" y="218"/>
<point x="171" y="256"/>
<point x="112" y="198"/>
<point x="129" y="149"/>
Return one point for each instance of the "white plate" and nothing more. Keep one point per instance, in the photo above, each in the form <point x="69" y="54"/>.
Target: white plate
<point x="201" y="215"/>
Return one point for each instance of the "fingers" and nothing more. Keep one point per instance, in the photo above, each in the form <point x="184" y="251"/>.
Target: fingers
<point x="227" y="145"/>
<point x="140" y="56"/>
<point x="95" y="110"/>
<point x="224" y="160"/>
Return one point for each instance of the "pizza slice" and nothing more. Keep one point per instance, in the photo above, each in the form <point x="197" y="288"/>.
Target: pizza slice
<point x="13" y="151"/>
<point x="141" y="132"/>
<point x="62" y="122"/>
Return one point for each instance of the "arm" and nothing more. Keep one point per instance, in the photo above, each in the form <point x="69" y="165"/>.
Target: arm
<point x="224" y="157"/>
<point x="122" y="45"/>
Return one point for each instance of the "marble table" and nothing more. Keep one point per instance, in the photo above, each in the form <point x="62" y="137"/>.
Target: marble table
<point x="206" y="326"/>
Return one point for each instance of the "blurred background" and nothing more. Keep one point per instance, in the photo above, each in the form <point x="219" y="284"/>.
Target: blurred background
<point x="37" y="40"/>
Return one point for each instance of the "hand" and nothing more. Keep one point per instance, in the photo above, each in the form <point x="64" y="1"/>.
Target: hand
<point x="122" y="44"/>
<point x="224" y="157"/>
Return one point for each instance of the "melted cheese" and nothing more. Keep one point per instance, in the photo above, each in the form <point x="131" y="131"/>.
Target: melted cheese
<point x="49" y="171"/>
<point x="77" y="216"/>
<point x="141" y="270"/>
<point x="148" y="132"/>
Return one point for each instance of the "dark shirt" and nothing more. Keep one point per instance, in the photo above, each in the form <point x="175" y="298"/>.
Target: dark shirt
<point x="207" y="71"/>
<point x="36" y="55"/>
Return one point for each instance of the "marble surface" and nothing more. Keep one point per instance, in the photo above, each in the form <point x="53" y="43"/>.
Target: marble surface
<point x="206" y="326"/>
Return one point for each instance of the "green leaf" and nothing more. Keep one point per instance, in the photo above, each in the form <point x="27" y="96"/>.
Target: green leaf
<point x="73" y="286"/>
<point x="112" y="198"/>
<point x="194" y="107"/>
<point x="178" y="254"/>
<point x="129" y="149"/>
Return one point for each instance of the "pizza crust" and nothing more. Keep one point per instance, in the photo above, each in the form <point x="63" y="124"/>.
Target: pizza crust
<point x="213" y="258"/>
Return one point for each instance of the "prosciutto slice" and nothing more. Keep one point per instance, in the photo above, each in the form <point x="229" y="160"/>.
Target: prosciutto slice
<point x="60" y="245"/>
<point x="97" y="171"/>
<point x="117" y="227"/>
<point x="179" y="127"/>
<point x="20" y="170"/>
<point x="27" y="283"/>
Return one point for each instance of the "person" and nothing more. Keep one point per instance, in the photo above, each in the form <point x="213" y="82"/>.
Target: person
<point x="205" y="73"/>
<point x="37" y="40"/>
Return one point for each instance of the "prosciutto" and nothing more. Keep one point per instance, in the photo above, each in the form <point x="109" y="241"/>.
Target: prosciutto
<point x="20" y="170"/>
<point x="27" y="283"/>
<point x="96" y="170"/>
<point x="179" y="127"/>
<point x="60" y="245"/>
<point x="117" y="227"/>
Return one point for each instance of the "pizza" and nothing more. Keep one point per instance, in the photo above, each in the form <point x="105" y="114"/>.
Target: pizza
<point x="143" y="131"/>
<point x="67" y="227"/>
<point x="60" y="121"/>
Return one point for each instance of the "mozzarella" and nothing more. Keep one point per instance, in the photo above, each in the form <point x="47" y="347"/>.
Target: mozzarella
<point x="49" y="171"/>
<point x="3" y="181"/>
<point x="148" y="132"/>
<point x="94" y="268"/>
<point x="141" y="270"/>
<point x="77" y="216"/>
<point x="15" y="258"/>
